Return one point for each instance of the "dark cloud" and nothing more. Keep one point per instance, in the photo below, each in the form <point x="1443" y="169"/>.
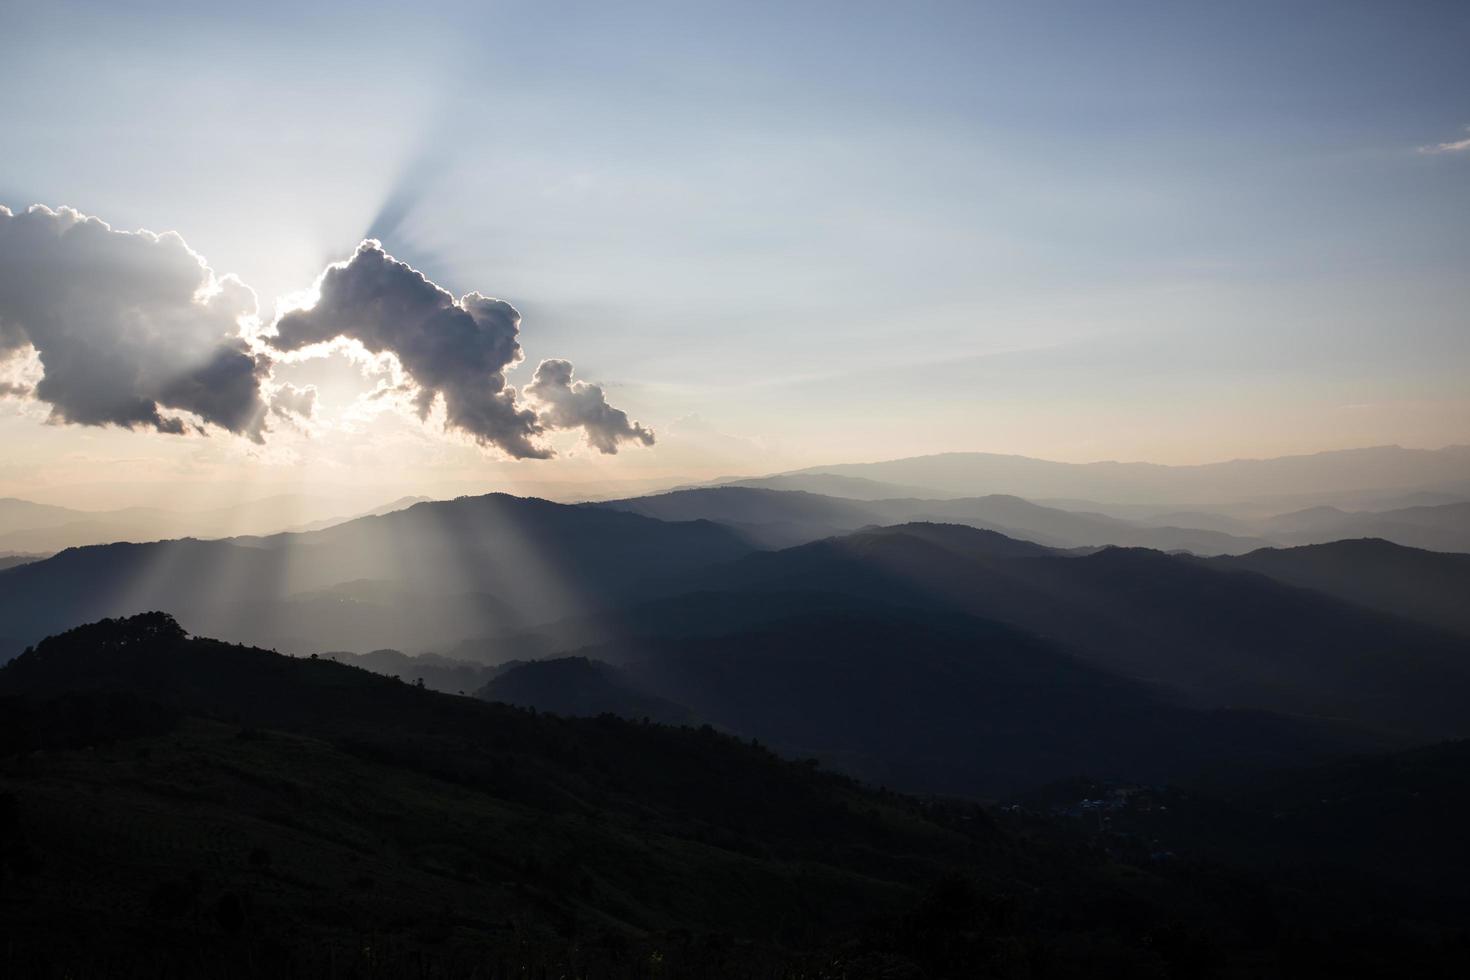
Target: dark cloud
<point x="571" y="404"/>
<point x="134" y="329"/>
<point x="127" y="326"/>
<point x="455" y="349"/>
<point x="459" y="350"/>
<point x="288" y="400"/>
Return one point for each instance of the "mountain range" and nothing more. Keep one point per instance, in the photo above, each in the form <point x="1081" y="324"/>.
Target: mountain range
<point x="679" y="728"/>
<point x="489" y="577"/>
<point x="968" y="645"/>
<point x="1413" y="497"/>
<point x="415" y="578"/>
<point x="210" y="809"/>
<point x="780" y="518"/>
<point x="1342" y="475"/>
<point x="773" y="514"/>
<point x="927" y="703"/>
<point x="29" y="527"/>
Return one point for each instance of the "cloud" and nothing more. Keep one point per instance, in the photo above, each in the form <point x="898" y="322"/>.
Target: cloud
<point x="130" y="328"/>
<point x="573" y="404"/>
<point x="457" y="350"/>
<point x="134" y="329"/>
<point x="1457" y="146"/>
<point x="288" y="400"/>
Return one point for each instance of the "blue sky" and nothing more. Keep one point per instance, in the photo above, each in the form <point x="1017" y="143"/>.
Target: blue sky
<point x="807" y="232"/>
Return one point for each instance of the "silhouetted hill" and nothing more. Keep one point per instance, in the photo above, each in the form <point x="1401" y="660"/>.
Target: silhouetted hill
<point x="1223" y="638"/>
<point x="1426" y="586"/>
<point x="581" y="687"/>
<point x="963" y="541"/>
<point x="438" y="673"/>
<point x="150" y="656"/>
<point x="1062" y="528"/>
<point x="534" y="560"/>
<point x="926" y="702"/>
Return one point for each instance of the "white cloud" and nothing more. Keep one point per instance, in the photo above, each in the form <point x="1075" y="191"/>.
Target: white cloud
<point x="1456" y="146"/>
<point x="454" y="353"/>
<point x="572" y="404"/>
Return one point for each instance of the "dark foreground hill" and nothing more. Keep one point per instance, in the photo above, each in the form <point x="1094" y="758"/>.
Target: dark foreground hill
<point x="177" y="807"/>
<point x="1395" y="819"/>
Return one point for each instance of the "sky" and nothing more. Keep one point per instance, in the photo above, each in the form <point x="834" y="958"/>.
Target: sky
<point x="769" y="236"/>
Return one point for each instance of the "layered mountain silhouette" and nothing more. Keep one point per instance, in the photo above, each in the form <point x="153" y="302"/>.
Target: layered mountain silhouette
<point x="12" y="560"/>
<point x="481" y="578"/>
<point x="416" y="578"/>
<point x="437" y="673"/>
<point x="775" y="518"/>
<point x="923" y="702"/>
<point x="1436" y="521"/>
<point x="832" y="485"/>
<point x="1424" y="586"/>
<point x="1442" y="527"/>
<point x="1220" y="638"/>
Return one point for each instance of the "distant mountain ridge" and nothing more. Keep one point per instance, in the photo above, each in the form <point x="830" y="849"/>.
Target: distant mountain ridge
<point x="781" y="518"/>
<point x="1335" y="472"/>
<point x="1438" y="527"/>
<point x="520" y="560"/>
<point x="30" y="527"/>
<point x="12" y="560"/>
